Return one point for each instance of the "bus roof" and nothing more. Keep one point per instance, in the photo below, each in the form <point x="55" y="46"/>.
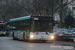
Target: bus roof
<point x="20" y="18"/>
<point x="40" y="16"/>
<point x="27" y="17"/>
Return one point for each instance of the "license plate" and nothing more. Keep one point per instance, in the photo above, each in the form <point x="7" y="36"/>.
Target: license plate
<point x="42" y="38"/>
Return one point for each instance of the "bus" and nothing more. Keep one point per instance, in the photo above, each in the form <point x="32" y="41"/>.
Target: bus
<point x="32" y="27"/>
<point x="3" y="28"/>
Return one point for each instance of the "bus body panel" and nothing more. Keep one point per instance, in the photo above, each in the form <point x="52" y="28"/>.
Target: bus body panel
<point x="18" y="35"/>
<point x="46" y="37"/>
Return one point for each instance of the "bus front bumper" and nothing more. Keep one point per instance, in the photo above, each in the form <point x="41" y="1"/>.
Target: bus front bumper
<point x="2" y="33"/>
<point x="41" y="39"/>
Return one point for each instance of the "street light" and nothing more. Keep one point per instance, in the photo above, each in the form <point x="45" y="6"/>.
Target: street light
<point x="52" y="8"/>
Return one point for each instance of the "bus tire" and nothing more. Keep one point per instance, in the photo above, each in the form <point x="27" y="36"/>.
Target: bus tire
<point x="24" y="37"/>
<point x="13" y="36"/>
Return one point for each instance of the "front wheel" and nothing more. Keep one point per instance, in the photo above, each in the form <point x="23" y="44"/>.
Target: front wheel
<point x="13" y="36"/>
<point x="24" y="37"/>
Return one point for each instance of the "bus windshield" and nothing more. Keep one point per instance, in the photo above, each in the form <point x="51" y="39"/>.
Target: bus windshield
<point x="45" y="24"/>
<point x="2" y="27"/>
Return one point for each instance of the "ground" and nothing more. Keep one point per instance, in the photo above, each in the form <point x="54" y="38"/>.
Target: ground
<point x="7" y="43"/>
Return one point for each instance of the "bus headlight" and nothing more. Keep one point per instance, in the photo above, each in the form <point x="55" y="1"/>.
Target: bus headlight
<point x="52" y="37"/>
<point x="31" y="36"/>
<point x="4" y="33"/>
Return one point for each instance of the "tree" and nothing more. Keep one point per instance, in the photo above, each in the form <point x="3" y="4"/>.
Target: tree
<point x="17" y="8"/>
<point x="61" y="7"/>
<point x="69" y="20"/>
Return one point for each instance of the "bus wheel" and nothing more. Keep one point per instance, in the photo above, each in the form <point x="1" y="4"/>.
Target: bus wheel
<point x="24" y="37"/>
<point x="13" y="36"/>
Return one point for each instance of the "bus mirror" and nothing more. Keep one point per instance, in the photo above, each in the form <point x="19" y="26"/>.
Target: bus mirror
<point x="14" y="27"/>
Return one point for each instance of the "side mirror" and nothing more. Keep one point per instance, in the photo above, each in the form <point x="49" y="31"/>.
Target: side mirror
<point x="53" y="24"/>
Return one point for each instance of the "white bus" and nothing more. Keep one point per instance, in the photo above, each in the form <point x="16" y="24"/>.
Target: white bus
<point x="32" y="27"/>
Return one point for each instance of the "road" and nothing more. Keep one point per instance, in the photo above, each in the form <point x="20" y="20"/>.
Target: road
<point x="6" y="43"/>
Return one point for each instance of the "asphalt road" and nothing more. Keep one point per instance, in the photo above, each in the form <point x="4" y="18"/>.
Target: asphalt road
<point x="6" y="43"/>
